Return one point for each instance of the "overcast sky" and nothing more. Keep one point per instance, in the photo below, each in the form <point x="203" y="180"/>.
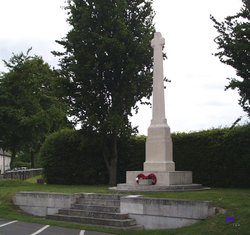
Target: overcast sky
<point x="195" y="98"/>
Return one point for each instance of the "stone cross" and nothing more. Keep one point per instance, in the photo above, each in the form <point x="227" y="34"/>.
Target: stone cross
<point x="158" y="84"/>
<point x="159" y="153"/>
<point x="159" y="156"/>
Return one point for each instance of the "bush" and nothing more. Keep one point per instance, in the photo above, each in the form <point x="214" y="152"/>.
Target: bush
<point x="71" y="157"/>
<point x="217" y="157"/>
<point x="131" y="156"/>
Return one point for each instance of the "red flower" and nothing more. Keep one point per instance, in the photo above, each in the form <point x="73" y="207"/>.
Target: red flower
<point x="140" y="176"/>
<point x="150" y="176"/>
<point x="153" y="178"/>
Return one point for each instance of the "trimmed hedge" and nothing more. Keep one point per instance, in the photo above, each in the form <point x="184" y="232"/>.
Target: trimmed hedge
<point x="131" y="156"/>
<point x="75" y="157"/>
<point x="217" y="157"/>
<point x="70" y="157"/>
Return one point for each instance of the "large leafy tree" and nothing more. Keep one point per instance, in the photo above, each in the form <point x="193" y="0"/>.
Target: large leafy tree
<point x="234" y="50"/>
<point x="107" y="66"/>
<point x="29" y="104"/>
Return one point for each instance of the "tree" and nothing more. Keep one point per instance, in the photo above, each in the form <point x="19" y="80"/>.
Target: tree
<point x="234" y="50"/>
<point x="29" y="104"/>
<point x="107" y="66"/>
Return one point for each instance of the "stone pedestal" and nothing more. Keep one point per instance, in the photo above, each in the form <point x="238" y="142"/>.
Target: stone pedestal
<point x="175" y="181"/>
<point x="159" y="149"/>
<point x="163" y="178"/>
<point x="166" y="181"/>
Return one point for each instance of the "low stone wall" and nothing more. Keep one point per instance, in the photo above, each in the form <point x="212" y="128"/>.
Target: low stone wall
<point x="165" y="213"/>
<point x="152" y="213"/>
<point x="42" y="204"/>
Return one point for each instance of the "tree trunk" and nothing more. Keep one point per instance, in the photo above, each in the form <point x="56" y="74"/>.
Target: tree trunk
<point x="113" y="172"/>
<point x="111" y="157"/>
<point x="32" y="159"/>
<point x="12" y="159"/>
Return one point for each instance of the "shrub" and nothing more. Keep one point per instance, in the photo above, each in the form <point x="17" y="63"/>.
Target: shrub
<point x="217" y="157"/>
<point x="71" y="157"/>
<point x="131" y="156"/>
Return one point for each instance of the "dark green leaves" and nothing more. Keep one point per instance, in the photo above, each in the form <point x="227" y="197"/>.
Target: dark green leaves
<point x="30" y="105"/>
<point x="107" y="61"/>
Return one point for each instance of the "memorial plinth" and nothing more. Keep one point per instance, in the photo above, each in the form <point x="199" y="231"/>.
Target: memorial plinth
<point x="159" y="147"/>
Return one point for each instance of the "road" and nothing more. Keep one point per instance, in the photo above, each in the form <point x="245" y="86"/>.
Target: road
<point x="22" y="228"/>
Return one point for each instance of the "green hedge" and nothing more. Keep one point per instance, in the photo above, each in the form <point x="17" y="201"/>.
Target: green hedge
<point x="217" y="157"/>
<point x="75" y="157"/>
<point x="131" y="156"/>
<point x="71" y="157"/>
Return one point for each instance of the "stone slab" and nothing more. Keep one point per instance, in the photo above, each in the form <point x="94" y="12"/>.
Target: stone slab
<point x="168" y="166"/>
<point x="179" y="208"/>
<point x="34" y="210"/>
<point x="155" y="213"/>
<point x="159" y="222"/>
<point x="159" y="153"/>
<point x="157" y="188"/>
<point x="41" y="203"/>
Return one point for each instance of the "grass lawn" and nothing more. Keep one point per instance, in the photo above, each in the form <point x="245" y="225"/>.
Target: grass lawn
<point x="235" y="201"/>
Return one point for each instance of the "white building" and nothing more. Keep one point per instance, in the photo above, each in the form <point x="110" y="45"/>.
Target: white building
<point x="4" y="161"/>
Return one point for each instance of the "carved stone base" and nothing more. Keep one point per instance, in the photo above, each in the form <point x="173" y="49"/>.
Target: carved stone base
<point x="166" y="181"/>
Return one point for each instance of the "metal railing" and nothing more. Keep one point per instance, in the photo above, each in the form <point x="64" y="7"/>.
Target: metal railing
<point x="22" y="174"/>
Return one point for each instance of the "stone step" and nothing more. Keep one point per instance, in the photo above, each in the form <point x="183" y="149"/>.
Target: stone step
<point x="97" y="208"/>
<point x="98" y="202"/>
<point x="158" y="188"/>
<point x="94" y="214"/>
<point x="94" y="221"/>
<point x="101" y="196"/>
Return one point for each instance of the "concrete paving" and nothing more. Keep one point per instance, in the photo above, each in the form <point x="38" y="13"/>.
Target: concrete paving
<point x="22" y="228"/>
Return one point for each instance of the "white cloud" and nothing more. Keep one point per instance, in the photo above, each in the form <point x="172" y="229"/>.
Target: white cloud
<point x="31" y="23"/>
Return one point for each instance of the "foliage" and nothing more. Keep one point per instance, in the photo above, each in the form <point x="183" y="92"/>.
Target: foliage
<point x="18" y="163"/>
<point x="234" y="50"/>
<point x="217" y="157"/>
<point x="23" y="156"/>
<point x="71" y="157"/>
<point x="132" y="156"/>
<point x="107" y="66"/>
<point x="67" y="150"/>
<point x="29" y="104"/>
